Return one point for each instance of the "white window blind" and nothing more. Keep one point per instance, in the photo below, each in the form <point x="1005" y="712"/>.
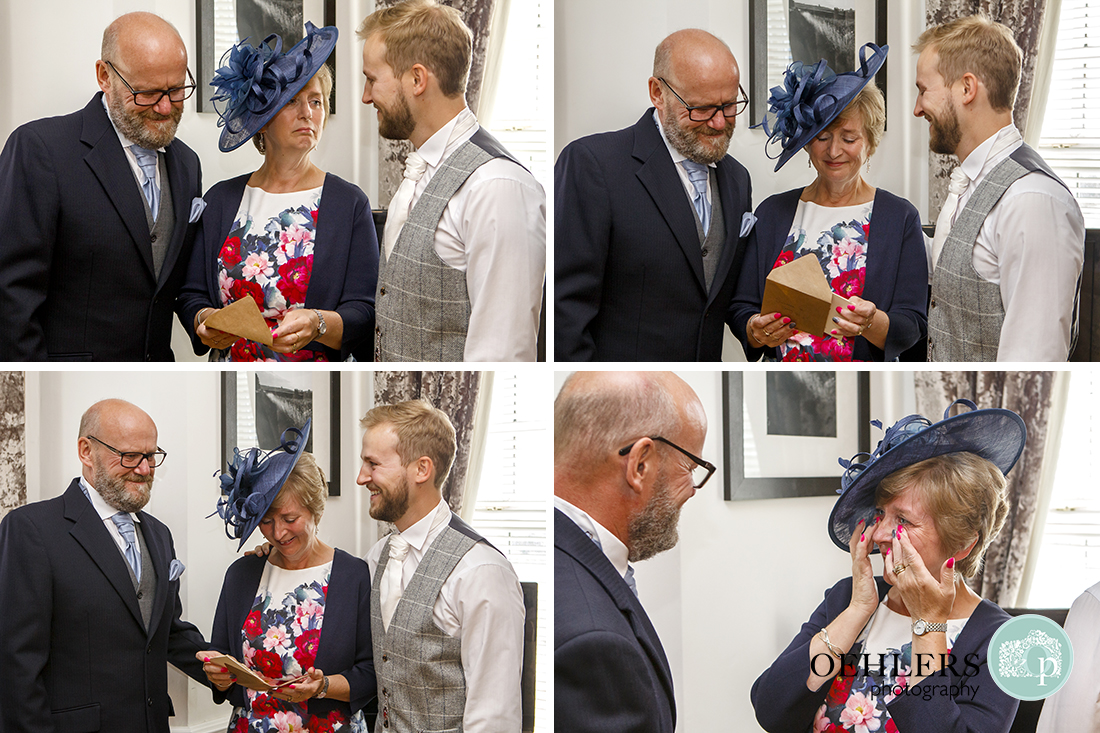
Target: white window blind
<point x="1070" y="139"/>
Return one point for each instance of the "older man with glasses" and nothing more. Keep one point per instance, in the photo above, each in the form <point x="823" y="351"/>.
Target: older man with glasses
<point x="98" y="210"/>
<point x="651" y="221"/>
<point x="90" y="585"/>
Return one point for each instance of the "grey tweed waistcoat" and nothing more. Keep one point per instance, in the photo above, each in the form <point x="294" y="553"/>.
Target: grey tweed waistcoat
<point x="713" y="242"/>
<point x="965" y="314"/>
<point x="160" y="232"/>
<point x="422" y="307"/>
<point x="421" y="685"/>
<point x="147" y="588"/>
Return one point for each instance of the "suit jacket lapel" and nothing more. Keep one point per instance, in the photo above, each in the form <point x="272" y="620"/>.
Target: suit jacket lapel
<point x="729" y="194"/>
<point x="158" y="554"/>
<point x="109" y="164"/>
<point x="569" y="537"/>
<point x="88" y="530"/>
<point x="659" y="177"/>
<point x="181" y="204"/>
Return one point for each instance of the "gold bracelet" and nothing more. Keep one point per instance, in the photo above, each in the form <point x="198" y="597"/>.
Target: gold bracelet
<point x="824" y="635"/>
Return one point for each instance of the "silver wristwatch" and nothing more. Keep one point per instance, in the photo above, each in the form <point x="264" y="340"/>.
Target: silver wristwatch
<point x="922" y="627"/>
<point x="322" y="327"/>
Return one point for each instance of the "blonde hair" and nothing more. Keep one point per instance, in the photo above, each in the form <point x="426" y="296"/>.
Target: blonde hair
<point x="307" y="484"/>
<point x="424" y="32"/>
<point x="979" y="46"/>
<point x="422" y="430"/>
<point x="324" y="78"/>
<point x="965" y="496"/>
<point x="869" y="108"/>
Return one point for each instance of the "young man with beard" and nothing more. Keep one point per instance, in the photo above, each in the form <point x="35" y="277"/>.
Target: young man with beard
<point x="650" y="221"/>
<point x="446" y="607"/>
<point x="98" y="209"/>
<point x="626" y="449"/>
<point x="1007" y="256"/>
<point x="464" y="250"/>
<point x="90" y="587"/>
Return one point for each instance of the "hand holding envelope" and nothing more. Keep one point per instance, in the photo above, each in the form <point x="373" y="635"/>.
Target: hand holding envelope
<point x="798" y="290"/>
<point x="241" y="318"/>
<point x="223" y="670"/>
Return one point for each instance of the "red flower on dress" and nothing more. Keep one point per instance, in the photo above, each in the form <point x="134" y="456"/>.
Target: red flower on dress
<point x="245" y="350"/>
<point x="242" y="288"/>
<point x="294" y="278"/>
<point x="306" y="643"/>
<point x="313" y="213"/>
<point x="265" y="705"/>
<point x="783" y="258"/>
<point x="252" y="624"/>
<point x="320" y="725"/>
<point x="231" y="252"/>
<point x="849" y="283"/>
<point x="269" y="664"/>
<point x="241" y="726"/>
<point x="866" y="231"/>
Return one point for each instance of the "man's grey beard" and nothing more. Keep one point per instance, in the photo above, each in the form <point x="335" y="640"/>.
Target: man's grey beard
<point x="686" y="142"/>
<point x="132" y="125"/>
<point x="113" y="490"/>
<point x="653" y="530"/>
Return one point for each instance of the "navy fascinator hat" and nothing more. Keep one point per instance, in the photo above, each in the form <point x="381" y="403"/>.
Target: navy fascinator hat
<point x="255" y="82"/>
<point x="995" y="434"/>
<point x="811" y="97"/>
<point x="253" y="480"/>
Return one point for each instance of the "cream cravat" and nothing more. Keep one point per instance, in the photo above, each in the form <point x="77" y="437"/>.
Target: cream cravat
<point x="946" y="220"/>
<point x="391" y="581"/>
<point x="401" y="202"/>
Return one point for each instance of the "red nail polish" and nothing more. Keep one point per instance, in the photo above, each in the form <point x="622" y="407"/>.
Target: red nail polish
<point x="778" y="316"/>
<point x="950" y="562"/>
<point x="838" y="310"/>
<point x="851" y="307"/>
<point x="878" y="519"/>
<point x="291" y="686"/>
<point x="900" y="530"/>
<point x="786" y="321"/>
<point x="834" y="332"/>
<point x="206" y="659"/>
<point x="861" y="538"/>
<point x="225" y="669"/>
<point x="887" y="550"/>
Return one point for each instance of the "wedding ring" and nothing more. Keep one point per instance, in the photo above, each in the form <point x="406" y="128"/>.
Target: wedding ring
<point x="899" y="569"/>
<point x="767" y="333"/>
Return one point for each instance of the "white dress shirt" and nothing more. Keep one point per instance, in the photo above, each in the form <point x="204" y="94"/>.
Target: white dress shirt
<point x="1032" y="244"/>
<point x="611" y="545"/>
<point x="480" y="604"/>
<point x="1076" y="707"/>
<point x="494" y="230"/>
<point x="139" y="174"/>
<point x="677" y="159"/>
<point x="105" y="512"/>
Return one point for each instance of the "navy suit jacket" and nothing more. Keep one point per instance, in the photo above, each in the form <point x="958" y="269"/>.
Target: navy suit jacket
<point x="76" y="259"/>
<point x="345" y="643"/>
<point x="345" y="262"/>
<point x="628" y="267"/>
<point x="77" y="656"/>
<point x="783" y="702"/>
<point x="896" y="279"/>
<point x="610" y="671"/>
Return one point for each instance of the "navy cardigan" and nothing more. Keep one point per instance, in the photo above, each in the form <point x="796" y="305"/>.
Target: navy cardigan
<point x="784" y="703"/>
<point x="345" y="644"/>
<point x="345" y="262"/>
<point x="896" y="280"/>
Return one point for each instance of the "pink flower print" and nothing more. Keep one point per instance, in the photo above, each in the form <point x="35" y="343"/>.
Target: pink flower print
<point x="287" y="722"/>
<point x="225" y="286"/>
<point x="860" y="714"/>
<point x="249" y="654"/>
<point x="276" y="638"/>
<point x="257" y="266"/>
<point x="821" y="721"/>
<point x="290" y="239"/>
<point x="846" y="256"/>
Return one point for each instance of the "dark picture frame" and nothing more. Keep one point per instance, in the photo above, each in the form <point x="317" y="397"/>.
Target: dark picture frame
<point x="324" y="440"/>
<point x="208" y="57"/>
<point x="762" y="31"/>
<point x="739" y="487"/>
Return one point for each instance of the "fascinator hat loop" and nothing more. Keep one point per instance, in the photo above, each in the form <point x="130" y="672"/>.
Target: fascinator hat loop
<point x="811" y="97"/>
<point x="255" y="82"/>
<point x="253" y="480"/>
<point x="996" y="434"/>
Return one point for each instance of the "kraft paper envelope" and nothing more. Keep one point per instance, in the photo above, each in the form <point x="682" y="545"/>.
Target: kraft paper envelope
<point x="247" y="677"/>
<point x="800" y="292"/>
<point x="242" y="318"/>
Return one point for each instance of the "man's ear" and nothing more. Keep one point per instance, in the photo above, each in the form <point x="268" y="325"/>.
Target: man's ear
<point x="655" y="96"/>
<point x="103" y="75"/>
<point x="970" y="87"/>
<point x="641" y="465"/>
<point x="423" y="470"/>
<point x="84" y="451"/>
<point x="419" y="75"/>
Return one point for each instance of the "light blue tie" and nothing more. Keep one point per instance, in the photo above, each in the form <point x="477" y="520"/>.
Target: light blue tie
<point x="125" y="524"/>
<point x="698" y="174"/>
<point x="630" y="582"/>
<point x="147" y="161"/>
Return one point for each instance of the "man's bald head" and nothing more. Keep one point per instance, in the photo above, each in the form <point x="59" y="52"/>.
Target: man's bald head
<point x="141" y="34"/>
<point x="693" y="50"/>
<point x="114" y="416"/>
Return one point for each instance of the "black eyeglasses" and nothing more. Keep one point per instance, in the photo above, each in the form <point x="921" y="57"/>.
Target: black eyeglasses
<point x="152" y="97"/>
<point x="133" y="459"/>
<point x="699" y="475"/>
<point x="705" y="113"/>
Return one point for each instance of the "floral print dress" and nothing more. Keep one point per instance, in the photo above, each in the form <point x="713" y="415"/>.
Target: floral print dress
<point x="268" y="256"/>
<point x="837" y="236"/>
<point x="858" y="704"/>
<point x="281" y="634"/>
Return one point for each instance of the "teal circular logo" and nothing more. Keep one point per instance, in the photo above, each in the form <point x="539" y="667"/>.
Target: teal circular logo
<point x="1030" y="657"/>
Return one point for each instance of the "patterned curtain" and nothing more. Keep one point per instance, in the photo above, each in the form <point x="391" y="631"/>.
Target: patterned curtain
<point x="456" y="394"/>
<point x="1025" y="18"/>
<point x="1028" y="394"/>
<point x="13" y="446"/>
<point x="391" y="153"/>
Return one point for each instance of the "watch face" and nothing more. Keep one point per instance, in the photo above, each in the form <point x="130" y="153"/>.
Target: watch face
<point x="918" y="627"/>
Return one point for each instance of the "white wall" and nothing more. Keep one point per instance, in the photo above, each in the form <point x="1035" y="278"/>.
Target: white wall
<point x="186" y="407"/>
<point x="745" y="575"/>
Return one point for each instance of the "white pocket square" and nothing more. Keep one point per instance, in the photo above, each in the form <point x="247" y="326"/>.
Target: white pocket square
<point x="747" y="222"/>
<point x="197" y="205"/>
<point x="175" y="570"/>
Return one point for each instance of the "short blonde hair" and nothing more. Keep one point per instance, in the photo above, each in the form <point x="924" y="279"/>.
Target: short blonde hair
<point x="965" y="495"/>
<point x="424" y="32"/>
<point x="324" y="78"/>
<point x="307" y="484"/>
<point x="869" y="108"/>
<point x="422" y="430"/>
<point x="982" y="47"/>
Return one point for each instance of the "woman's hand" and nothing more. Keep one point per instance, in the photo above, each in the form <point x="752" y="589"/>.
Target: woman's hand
<point x="864" y="589"/>
<point x="212" y="337"/>
<point x="297" y="328"/>
<point x="218" y="675"/>
<point x="769" y="331"/>
<point x="303" y="689"/>
<point x="861" y="318"/>
<point x="925" y="595"/>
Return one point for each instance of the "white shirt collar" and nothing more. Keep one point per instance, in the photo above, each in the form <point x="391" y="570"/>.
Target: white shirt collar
<point x="126" y="142"/>
<point x="611" y="545"/>
<point x="992" y="151"/>
<point x="677" y="156"/>
<point x="102" y="508"/>
<point x="420" y="534"/>
<point x="436" y="147"/>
